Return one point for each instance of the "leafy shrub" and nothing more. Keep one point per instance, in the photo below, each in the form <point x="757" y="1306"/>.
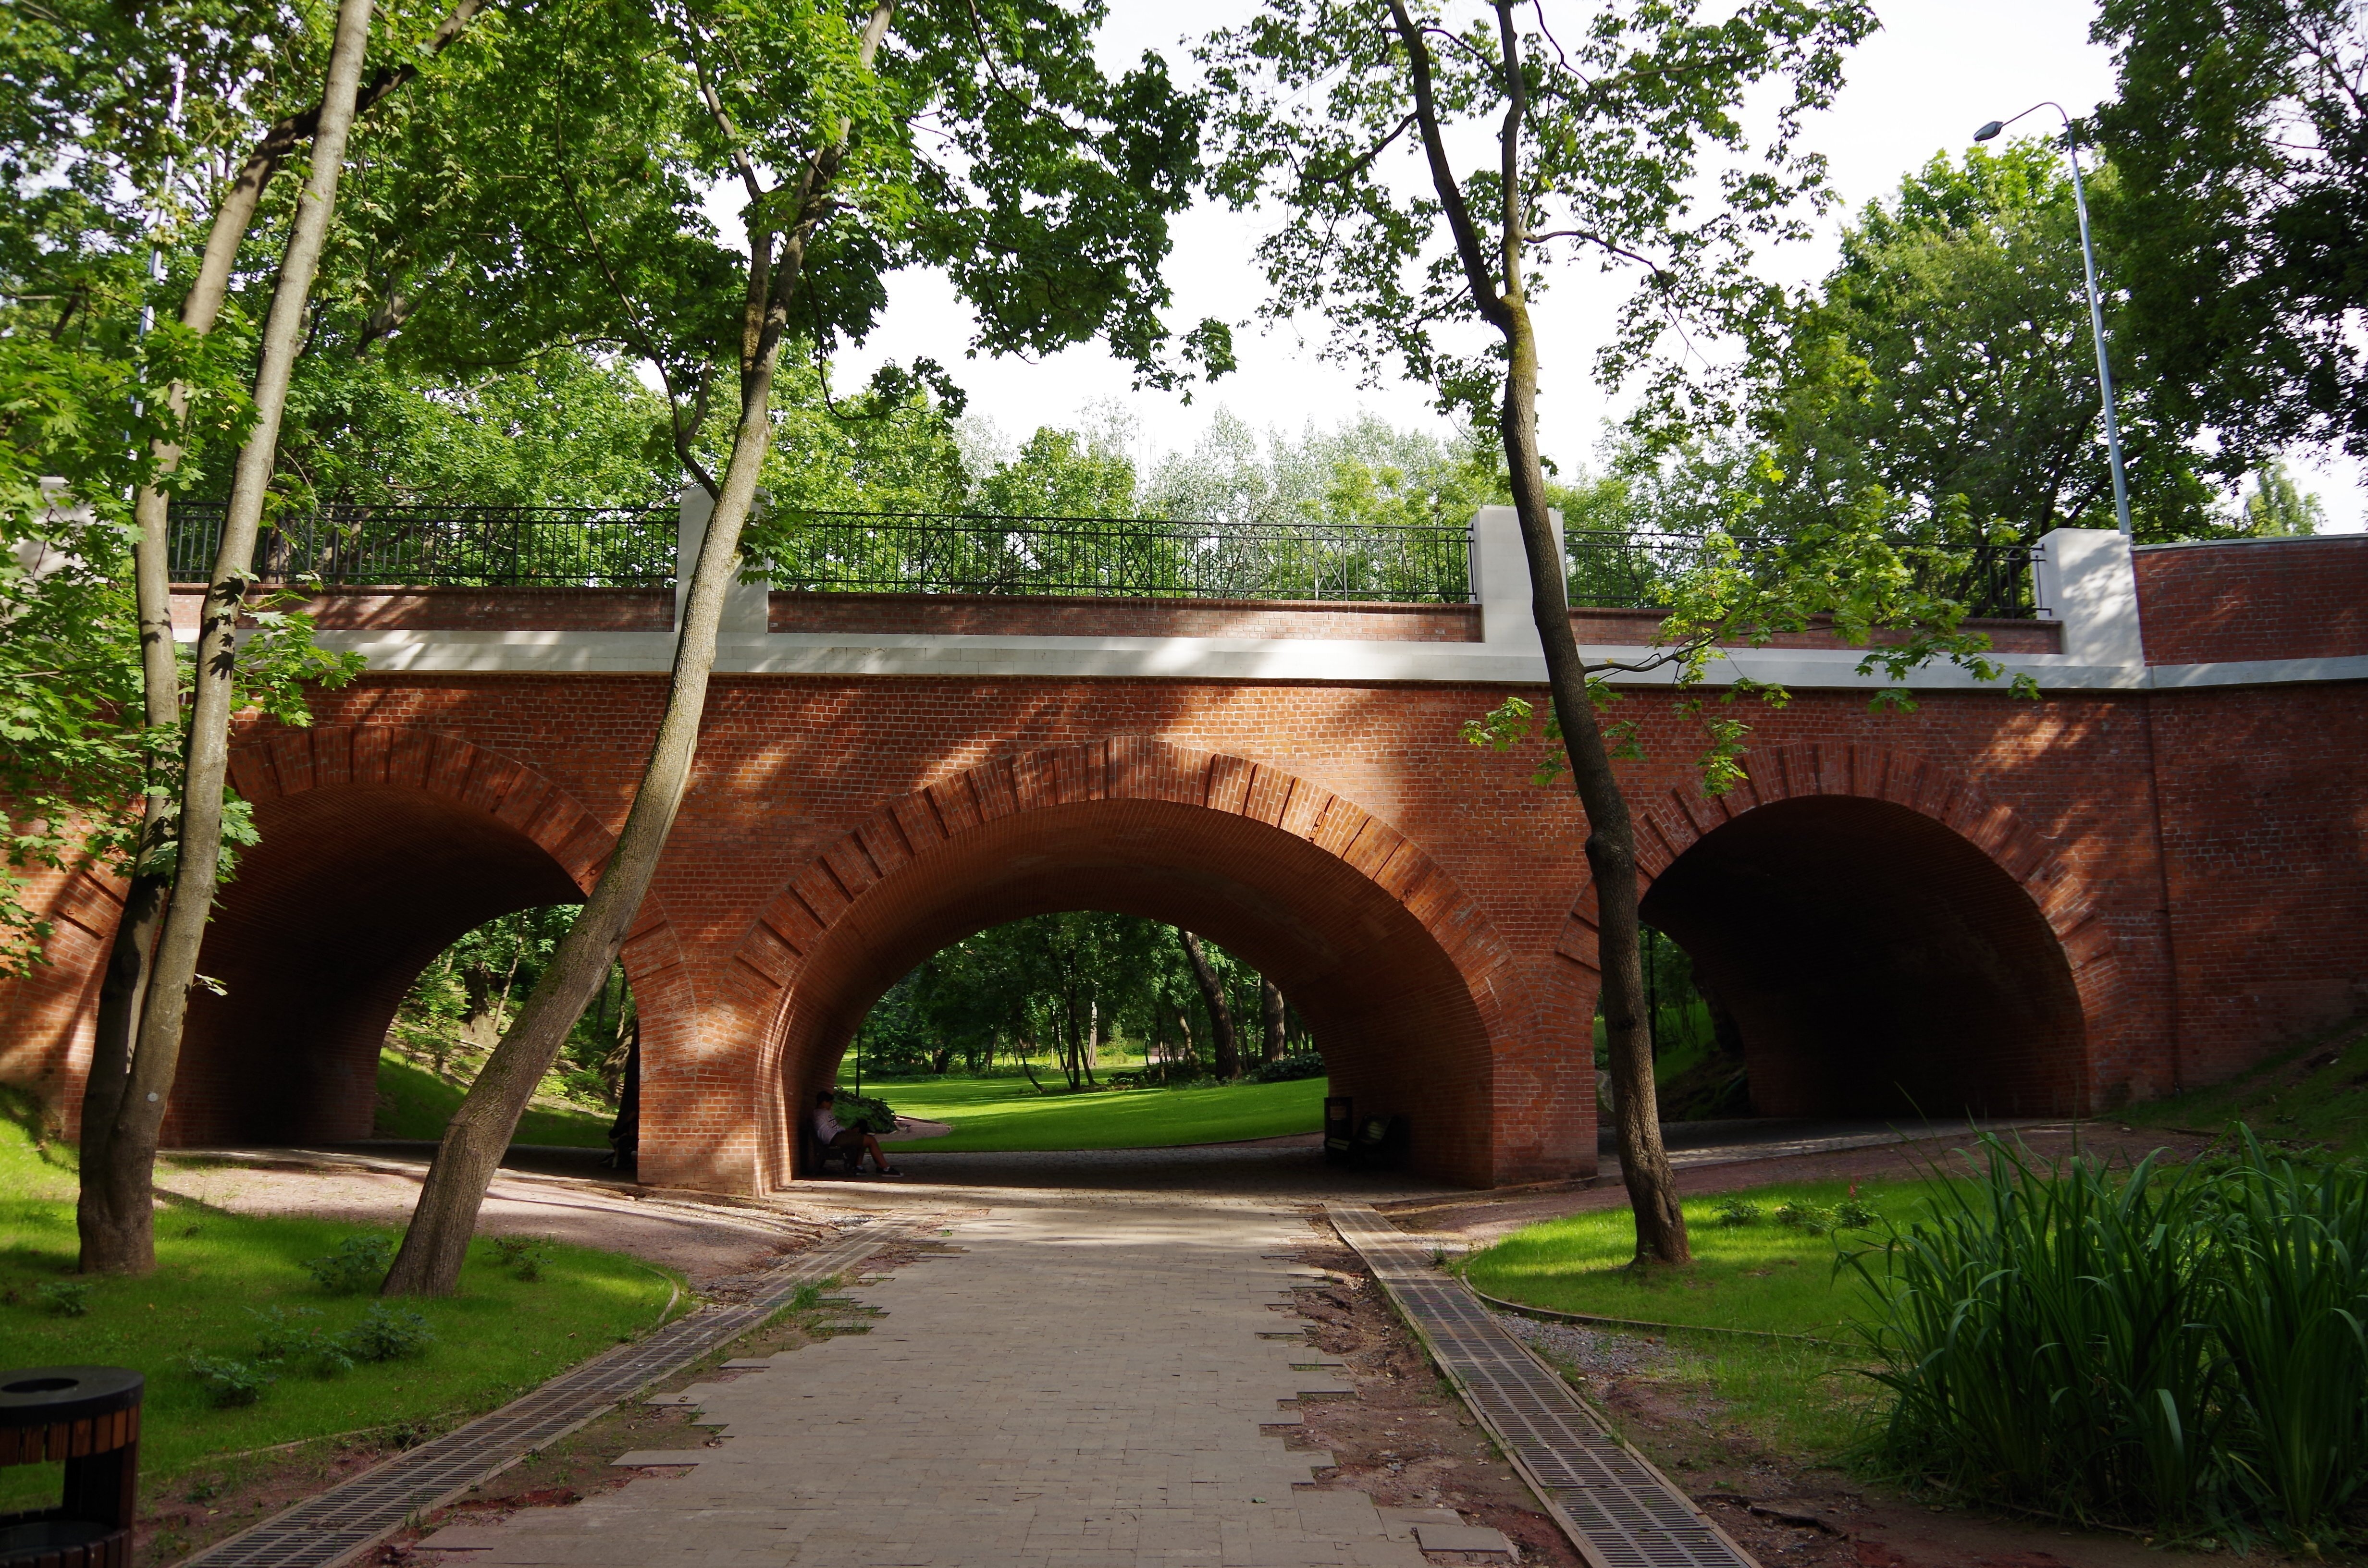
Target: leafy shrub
<point x="387" y="1333"/>
<point x="64" y="1298"/>
<point x="522" y="1255"/>
<point x="2182" y="1350"/>
<point x="1850" y="1214"/>
<point x="1815" y="1219"/>
<point x="356" y="1265"/>
<point x="1159" y="1075"/>
<point x="1737" y="1211"/>
<point x="1288" y="1070"/>
<point x="860" y="1111"/>
<point x="228" y="1381"/>
<point x="285" y="1339"/>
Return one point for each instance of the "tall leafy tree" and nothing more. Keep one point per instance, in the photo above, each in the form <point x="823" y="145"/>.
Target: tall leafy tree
<point x="1947" y="361"/>
<point x="1594" y="138"/>
<point x="2240" y="134"/>
<point x="117" y="1214"/>
<point x="977" y="137"/>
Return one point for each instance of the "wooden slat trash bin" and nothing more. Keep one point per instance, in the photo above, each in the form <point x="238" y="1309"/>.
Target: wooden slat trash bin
<point x="88" y="1418"/>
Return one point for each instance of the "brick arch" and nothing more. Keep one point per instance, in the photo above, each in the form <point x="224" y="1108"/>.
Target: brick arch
<point x="1909" y="846"/>
<point x="1291" y="873"/>
<point x="380" y="846"/>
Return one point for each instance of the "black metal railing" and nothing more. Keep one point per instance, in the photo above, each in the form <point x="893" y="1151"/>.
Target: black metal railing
<point x="1117" y="557"/>
<point x="1631" y="570"/>
<point x="589" y="547"/>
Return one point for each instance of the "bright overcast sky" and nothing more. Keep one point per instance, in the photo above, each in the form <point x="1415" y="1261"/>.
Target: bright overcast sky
<point x="1938" y="69"/>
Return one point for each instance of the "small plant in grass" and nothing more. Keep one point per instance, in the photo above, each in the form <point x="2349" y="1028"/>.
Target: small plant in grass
<point x="354" y="1265"/>
<point x="387" y="1333"/>
<point x="1850" y="1214"/>
<point x="805" y="1298"/>
<point x="64" y="1298"/>
<point x="1733" y="1210"/>
<point x="228" y="1381"/>
<point x="522" y="1255"/>
<point x="1813" y="1217"/>
<point x="285" y="1338"/>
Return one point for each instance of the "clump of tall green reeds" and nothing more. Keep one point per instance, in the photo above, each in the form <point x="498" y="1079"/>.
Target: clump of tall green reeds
<point x="2180" y="1348"/>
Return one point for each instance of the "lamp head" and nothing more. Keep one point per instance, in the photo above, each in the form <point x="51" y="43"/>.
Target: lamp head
<point x="1989" y="131"/>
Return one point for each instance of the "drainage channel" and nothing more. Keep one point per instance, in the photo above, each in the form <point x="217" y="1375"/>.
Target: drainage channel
<point x="1616" y="1507"/>
<point x="355" y="1515"/>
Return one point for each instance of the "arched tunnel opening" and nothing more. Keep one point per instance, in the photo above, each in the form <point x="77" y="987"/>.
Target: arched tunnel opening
<point x="349" y="928"/>
<point x="1389" y="1011"/>
<point x="1869" y="961"/>
<point x="1058" y="1031"/>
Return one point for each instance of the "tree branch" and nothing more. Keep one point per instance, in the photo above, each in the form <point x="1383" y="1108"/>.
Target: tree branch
<point x="1485" y="298"/>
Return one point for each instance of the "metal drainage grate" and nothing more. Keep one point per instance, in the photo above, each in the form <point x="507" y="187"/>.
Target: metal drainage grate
<point x="1617" y="1509"/>
<point x="355" y="1515"/>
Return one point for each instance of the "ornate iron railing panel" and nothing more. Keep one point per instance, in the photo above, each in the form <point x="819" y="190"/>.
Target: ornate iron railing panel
<point x="1627" y="570"/>
<point x="589" y="547"/>
<point x="1117" y="557"/>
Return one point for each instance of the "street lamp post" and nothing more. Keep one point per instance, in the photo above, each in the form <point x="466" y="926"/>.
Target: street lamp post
<point x="2096" y="308"/>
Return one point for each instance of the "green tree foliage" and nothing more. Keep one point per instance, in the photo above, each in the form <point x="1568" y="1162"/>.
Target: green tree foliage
<point x="2279" y="508"/>
<point x="2240" y="135"/>
<point x="1068" y="985"/>
<point x="1947" y="361"/>
<point x="457" y="1009"/>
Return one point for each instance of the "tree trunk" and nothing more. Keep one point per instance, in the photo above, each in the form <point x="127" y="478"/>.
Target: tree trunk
<point x="1610" y="831"/>
<point x="1611" y="834"/>
<point x="1271" y="1017"/>
<point x="100" y="1217"/>
<point x="127" y="1242"/>
<point x="1224" y="1042"/>
<point x="446" y="1217"/>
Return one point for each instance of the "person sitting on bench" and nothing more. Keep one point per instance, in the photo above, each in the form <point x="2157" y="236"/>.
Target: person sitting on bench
<point x="831" y="1135"/>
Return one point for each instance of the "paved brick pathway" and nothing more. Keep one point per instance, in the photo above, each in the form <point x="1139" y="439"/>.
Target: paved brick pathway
<point x="1085" y="1386"/>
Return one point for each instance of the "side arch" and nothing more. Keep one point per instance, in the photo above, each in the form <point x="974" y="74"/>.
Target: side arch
<point x="380" y="847"/>
<point x="1971" y="932"/>
<point x="1303" y="881"/>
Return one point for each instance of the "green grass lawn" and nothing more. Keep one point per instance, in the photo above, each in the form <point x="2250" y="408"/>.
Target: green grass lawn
<point x="498" y="1337"/>
<point x="2316" y="1093"/>
<point x="1763" y="1276"/>
<point x="1006" y="1114"/>
<point x="415" y="1103"/>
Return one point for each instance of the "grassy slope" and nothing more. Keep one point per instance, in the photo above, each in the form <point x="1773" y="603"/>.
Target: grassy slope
<point x="1006" y="1114"/>
<point x="2314" y="1092"/>
<point x="1804" y="1398"/>
<point x="414" y="1103"/>
<point x="496" y="1338"/>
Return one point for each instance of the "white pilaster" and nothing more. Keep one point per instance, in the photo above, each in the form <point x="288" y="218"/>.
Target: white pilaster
<point x="744" y="602"/>
<point x="2087" y="579"/>
<point x="1500" y="581"/>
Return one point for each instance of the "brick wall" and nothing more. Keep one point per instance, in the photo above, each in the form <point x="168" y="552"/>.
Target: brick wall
<point x="470" y="609"/>
<point x="1004" y="615"/>
<point x="1425" y="906"/>
<point x="1634" y="628"/>
<point x="2283" y="599"/>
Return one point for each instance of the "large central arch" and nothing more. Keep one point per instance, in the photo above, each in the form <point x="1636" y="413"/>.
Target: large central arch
<point x="1397" y="974"/>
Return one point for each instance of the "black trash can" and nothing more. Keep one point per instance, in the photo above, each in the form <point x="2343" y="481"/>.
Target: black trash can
<point x="89" y="1417"/>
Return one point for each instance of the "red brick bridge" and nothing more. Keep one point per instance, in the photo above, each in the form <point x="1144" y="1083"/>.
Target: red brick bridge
<point x="2146" y="879"/>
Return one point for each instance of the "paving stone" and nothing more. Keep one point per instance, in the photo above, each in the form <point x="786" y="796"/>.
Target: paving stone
<point x="1462" y="1538"/>
<point x="1400" y="1522"/>
<point x="643" y="1458"/>
<point x="1084" y="1385"/>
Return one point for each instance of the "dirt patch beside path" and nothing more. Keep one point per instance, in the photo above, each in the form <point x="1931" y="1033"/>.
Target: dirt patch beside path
<point x="1402" y="1438"/>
